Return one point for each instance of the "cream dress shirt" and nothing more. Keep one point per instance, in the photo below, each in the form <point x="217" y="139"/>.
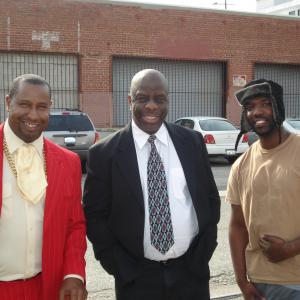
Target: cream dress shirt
<point x="21" y="222"/>
<point x="184" y="219"/>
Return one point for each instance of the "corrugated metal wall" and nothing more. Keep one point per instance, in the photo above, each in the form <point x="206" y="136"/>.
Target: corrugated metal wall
<point x="288" y="76"/>
<point x="196" y="88"/>
<point x="60" y="71"/>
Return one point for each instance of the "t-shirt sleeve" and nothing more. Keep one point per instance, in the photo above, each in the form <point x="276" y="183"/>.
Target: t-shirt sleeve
<point x="232" y="193"/>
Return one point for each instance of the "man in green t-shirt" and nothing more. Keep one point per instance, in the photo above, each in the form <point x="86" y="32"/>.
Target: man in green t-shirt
<point x="264" y="189"/>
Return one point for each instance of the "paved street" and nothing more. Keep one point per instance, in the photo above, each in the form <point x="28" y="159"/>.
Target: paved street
<point x="100" y="285"/>
<point x="222" y="275"/>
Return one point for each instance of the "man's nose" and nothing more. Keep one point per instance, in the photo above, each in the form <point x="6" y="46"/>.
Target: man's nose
<point x="258" y="110"/>
<point x="151" y="104"/>
<point x="33" y="114"/>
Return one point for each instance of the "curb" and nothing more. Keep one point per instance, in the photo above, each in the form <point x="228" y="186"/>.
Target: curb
<point x="227" y="297"/>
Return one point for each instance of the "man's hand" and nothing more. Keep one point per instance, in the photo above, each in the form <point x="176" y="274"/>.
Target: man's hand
<point x="275" y="248"/>
<point x="250" y="292"/>
<point x="72" y="289"/>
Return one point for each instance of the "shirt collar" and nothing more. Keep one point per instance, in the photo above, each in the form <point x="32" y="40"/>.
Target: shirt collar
<point x="141" y="137"/>
<point x="14" y="142"/>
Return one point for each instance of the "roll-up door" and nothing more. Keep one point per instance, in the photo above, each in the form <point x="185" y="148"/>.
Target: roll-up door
<point x="288" y="76"/>
<point x="195" y="88"/>
<point x="60" y="71"/>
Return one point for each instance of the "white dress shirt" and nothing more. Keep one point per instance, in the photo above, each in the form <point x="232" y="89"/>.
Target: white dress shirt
<point x="183" y="215"/>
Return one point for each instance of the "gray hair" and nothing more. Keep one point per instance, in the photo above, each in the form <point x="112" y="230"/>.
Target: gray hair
<point x="27" y="78"/>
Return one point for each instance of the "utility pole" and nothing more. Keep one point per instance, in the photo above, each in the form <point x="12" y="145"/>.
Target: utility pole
<point x="225" y="3"/>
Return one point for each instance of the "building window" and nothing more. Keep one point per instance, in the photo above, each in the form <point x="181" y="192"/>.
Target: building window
<point x="292" y="13"/>
<point x="278" y="2"/>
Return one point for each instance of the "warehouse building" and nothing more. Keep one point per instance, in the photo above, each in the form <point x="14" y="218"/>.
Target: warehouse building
<point x="89" y="51"/>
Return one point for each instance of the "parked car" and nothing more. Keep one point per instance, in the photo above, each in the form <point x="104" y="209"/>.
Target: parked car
<point x="292" y="125"/>
<point x="219" y="135"/>
<point x="73" y="130"/>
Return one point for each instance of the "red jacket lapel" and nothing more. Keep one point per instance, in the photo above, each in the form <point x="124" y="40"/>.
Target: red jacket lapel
<point x="54" y="180"/>
<point x="1" y="163"/>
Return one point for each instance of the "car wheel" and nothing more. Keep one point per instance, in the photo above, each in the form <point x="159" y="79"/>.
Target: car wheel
<point x="231" y="159"/>
<point x="83" y="166"/>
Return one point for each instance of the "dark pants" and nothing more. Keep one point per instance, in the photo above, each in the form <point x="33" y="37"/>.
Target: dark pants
<point x="164" y="281"/>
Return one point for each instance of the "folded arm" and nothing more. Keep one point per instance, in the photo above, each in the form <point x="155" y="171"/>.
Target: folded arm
<point x="277" y="249"/>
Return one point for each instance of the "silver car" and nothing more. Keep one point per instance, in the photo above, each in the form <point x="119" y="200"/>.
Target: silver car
<point x="219" y="136"/>
<point x="292" y="125"/>
<point x="73" y="130"/>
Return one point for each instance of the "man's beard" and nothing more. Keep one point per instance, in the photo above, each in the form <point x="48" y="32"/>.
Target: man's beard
<point x="270" y="129"/>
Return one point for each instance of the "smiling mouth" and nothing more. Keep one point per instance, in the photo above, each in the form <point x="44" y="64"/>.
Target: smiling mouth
<point x="151" y="118"/>
<point x="260" y="123"/>
<point x="31" y="126"/>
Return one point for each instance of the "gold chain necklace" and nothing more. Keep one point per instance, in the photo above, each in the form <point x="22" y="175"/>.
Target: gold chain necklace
<point x="11" y="161"/>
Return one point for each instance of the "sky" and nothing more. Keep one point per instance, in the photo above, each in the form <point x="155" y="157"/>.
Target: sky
<point x="237" y="5"/>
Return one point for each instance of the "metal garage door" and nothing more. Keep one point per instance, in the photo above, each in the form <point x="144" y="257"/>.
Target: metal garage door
<point x="196" y="88"/>
<point x="289" y="77"/>
<point x="59" y="70"/>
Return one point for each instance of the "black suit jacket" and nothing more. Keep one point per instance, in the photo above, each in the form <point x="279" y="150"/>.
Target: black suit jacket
<point x="114" y="204"/>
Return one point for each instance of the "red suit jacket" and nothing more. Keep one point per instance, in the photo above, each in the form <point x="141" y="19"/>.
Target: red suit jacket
<point x="64" y="229"/>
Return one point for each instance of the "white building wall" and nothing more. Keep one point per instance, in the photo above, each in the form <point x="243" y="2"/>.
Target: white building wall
<point x="278" y="7"/>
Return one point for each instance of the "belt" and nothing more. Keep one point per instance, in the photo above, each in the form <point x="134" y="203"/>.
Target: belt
<point x="165" y="263"/>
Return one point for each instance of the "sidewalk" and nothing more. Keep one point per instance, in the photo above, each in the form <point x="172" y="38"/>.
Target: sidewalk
<point x="229" y="297"/>
<point x="100" y="285"/>
<point x="226" y="292"/>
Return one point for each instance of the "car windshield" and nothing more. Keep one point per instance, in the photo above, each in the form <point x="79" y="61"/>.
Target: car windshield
<point x="69" y="123"/>
<point x="294" y="123"/>
<point x="216" y="125"/>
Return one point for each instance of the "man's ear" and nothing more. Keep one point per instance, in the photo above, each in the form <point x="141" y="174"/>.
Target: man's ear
<point x="129" y="99"/>
<point x="8" y="102"/>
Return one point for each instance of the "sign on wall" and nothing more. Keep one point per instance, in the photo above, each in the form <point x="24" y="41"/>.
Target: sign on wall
<point x="239" y="80"/>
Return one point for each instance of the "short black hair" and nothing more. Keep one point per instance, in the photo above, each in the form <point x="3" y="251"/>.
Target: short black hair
<point x="27" y="78"/>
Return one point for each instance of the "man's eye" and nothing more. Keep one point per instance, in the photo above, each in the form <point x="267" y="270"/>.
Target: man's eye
<point x="160" y="100"/>
<point x="23" y="104"/>
<point x="141" y="99"/>
<point x="266" y="104"/>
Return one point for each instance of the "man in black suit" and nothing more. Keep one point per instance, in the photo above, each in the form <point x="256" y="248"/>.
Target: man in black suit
<point x="151" y="202"/>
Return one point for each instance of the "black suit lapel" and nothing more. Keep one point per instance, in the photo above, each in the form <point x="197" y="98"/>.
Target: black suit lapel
<point x="127" y="162"/>
<point x="186" y="156"/>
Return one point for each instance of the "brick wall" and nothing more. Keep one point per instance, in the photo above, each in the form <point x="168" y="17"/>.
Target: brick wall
<point x="96" y="32"/>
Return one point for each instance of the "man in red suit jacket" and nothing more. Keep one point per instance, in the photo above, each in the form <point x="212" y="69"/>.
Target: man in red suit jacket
<point x="42" y="238"/>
